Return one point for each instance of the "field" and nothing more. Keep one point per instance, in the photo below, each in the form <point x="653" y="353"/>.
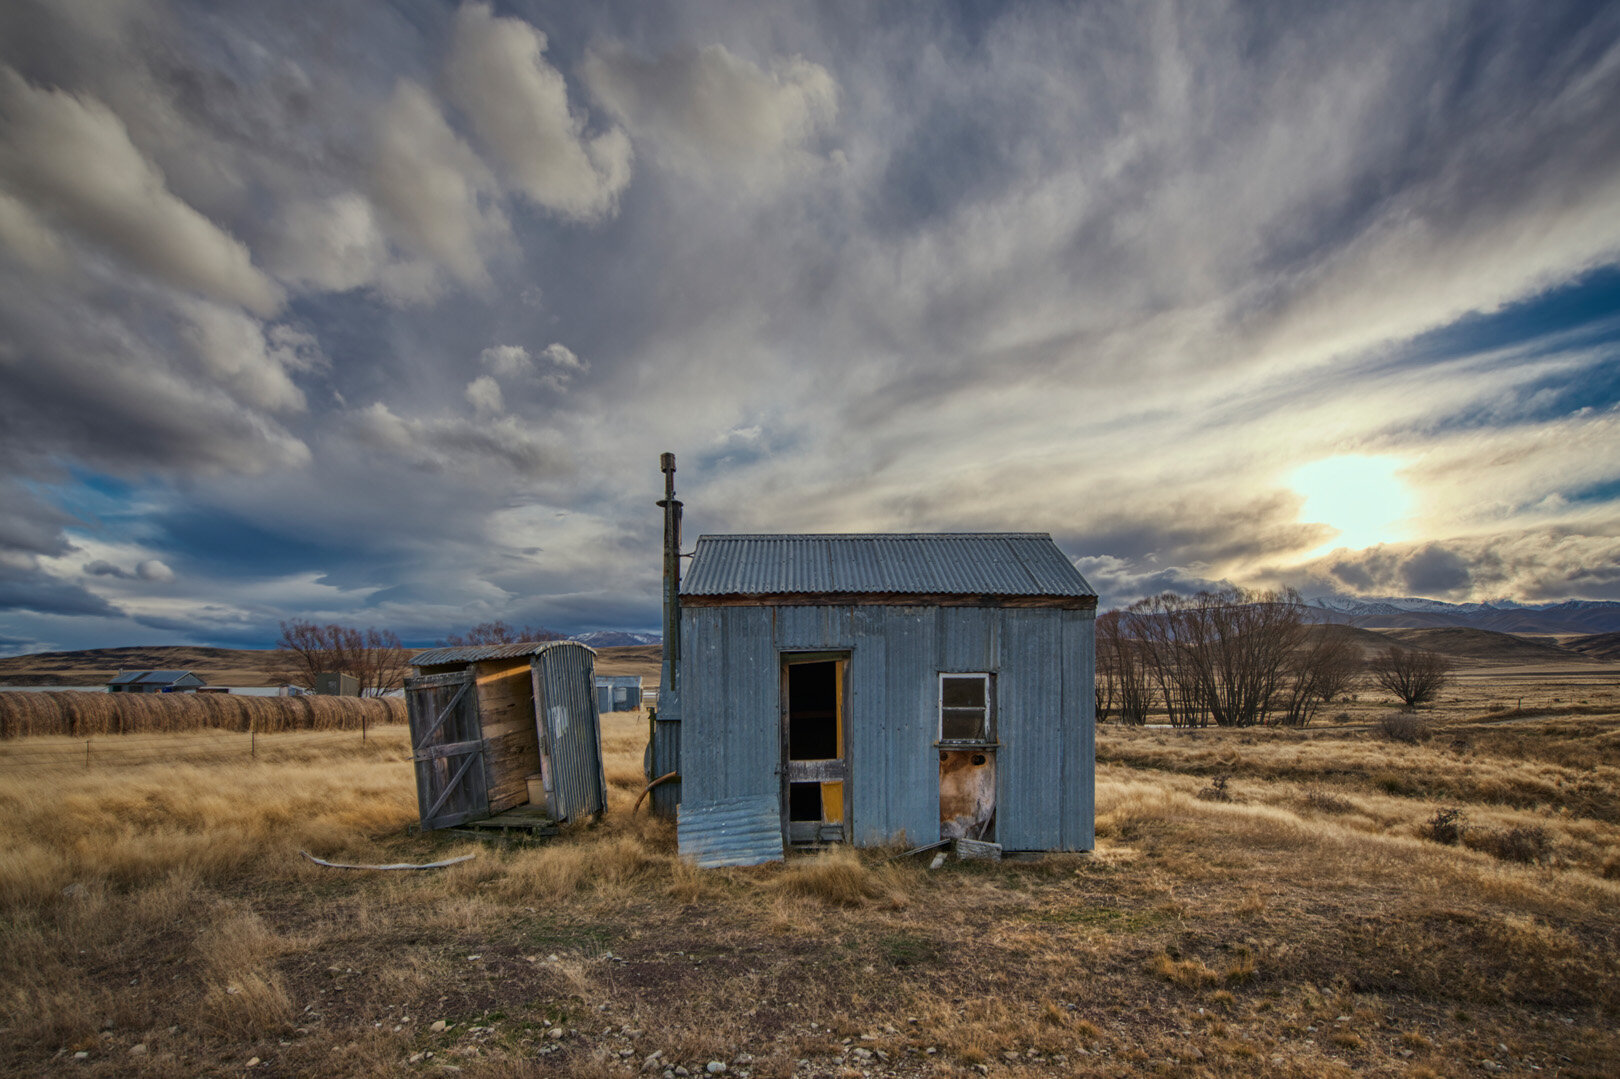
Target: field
<point x="1260" y="902"/>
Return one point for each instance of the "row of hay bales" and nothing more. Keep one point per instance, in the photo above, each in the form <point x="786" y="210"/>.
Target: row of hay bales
<point x="84" y="714"/>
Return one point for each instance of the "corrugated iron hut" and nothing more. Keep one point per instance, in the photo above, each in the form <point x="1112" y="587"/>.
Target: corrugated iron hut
<point x="506" y="736"/>
<point x="881" y="688"/>
<point x="618" y="692"/>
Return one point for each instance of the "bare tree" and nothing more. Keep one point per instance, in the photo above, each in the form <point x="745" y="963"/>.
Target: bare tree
<point x="1415" y="677"/>
<point x="373" y="657"/>
<point x="1160" y="635"/>
<point x="1319" y="669"/>
<point x="1121" y="664"/>
<point x="1219" y="656"/>
<point x="498" y="632"/>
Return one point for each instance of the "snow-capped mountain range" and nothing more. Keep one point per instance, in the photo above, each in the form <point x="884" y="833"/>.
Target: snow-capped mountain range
<point x="612" y="638"/>
<point x="1503" y="616"/>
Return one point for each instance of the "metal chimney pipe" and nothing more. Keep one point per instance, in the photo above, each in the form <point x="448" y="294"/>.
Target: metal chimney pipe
<point x="672" y="577"/>
<point x="664" y="746"/>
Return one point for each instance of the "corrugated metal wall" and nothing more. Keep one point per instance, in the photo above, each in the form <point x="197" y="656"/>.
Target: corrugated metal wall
<point x="565" y="711"/>
<point x="731" y="742"/>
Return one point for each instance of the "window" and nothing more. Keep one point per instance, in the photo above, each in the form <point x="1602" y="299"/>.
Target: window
<point x="966" y="708"/>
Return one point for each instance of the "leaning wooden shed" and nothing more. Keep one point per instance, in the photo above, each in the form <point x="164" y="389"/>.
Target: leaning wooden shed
<point x="883" y="688"/>
<point x="506" y="736"/>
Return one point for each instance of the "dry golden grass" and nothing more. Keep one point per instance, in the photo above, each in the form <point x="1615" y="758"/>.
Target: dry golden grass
<point x="1304" y="927"/>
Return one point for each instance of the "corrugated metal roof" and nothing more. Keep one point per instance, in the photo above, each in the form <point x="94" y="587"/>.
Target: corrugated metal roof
<point x="147" y="678"/>
<point x="477" y="653"/>
<point x="731" y="831"/>
<point x="967" y="563"/>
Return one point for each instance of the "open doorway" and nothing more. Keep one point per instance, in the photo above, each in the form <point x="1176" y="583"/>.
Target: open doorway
<point x="814" y="808"/>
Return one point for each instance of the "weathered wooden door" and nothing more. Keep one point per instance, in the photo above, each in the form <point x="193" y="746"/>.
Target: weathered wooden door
<point x="814" y="766"/>
<point x="448" y="748"/>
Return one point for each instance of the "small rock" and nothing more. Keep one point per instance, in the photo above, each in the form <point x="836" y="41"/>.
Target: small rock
<point x="81" y="1055"/>
<point x="439" y="1026"/>
<point x="73" y="891"/>
<point x="652" y="1063"/>
<point x="414" y="1058"/>
<point x="682" y="1072"/>
<point x="138" y="1050"/>
<point x="715" y="1067"/>
<point x="554" y="1033"/>
<point x="254" y="1063"/>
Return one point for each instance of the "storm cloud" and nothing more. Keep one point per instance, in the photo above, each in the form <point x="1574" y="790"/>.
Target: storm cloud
<point x="383" y="315"/>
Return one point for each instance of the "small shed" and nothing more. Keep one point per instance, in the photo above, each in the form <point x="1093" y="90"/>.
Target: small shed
<point x="154" y="682"/>
<point x="506" y="736"/>
<point x="337" y="684"/>
<point x="618" y="692"/>
<point x="877" y="689"/>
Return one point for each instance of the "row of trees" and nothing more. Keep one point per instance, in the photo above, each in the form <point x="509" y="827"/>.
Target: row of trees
<point x="374" y="657"/>
<point x="1238" y="658"/>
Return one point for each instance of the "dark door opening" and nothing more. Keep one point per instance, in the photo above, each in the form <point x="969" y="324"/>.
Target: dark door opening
<point x="813" y="807"/>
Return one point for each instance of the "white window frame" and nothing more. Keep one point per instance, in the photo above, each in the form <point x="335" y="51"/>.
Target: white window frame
<point x="989" y="728"/>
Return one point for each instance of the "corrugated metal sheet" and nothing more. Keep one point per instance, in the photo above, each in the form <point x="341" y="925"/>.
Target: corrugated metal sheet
<point x="565" y="712"/>
<point x="151" y="678"/>
<point x="477" y="653"/>
<point x="979" y="563"/>
<point x="731" y="831"/>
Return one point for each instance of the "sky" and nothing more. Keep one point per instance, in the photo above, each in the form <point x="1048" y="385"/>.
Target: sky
<point x="382" y="314"/>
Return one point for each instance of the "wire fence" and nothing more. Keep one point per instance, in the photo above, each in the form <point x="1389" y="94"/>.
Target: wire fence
<point x="135" y="750"/>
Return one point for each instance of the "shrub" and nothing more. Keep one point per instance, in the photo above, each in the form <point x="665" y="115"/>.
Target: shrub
<point x="1404" y="727"/>
<point x="1323" y="802"/>
<point x="1446" y="826"/>
<point x="1528" y="843"/>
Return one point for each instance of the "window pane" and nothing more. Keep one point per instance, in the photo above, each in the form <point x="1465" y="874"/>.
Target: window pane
<point x="962" y="692"/>
<point x="961" y="725"/>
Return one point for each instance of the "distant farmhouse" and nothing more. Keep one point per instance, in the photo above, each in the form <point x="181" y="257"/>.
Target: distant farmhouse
<point x="155" y="682"/>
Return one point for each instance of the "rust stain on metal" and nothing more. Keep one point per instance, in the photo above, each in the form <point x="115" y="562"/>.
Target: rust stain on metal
<point x="967" y="793"/>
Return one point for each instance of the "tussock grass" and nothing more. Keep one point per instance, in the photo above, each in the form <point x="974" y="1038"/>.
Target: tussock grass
<point x="840" y="878"/>
<point x="165" y="905"/>
<point x="77" y="714"/>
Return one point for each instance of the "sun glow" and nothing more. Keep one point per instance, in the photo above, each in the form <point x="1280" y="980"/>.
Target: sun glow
<point x="1362" y="497"/>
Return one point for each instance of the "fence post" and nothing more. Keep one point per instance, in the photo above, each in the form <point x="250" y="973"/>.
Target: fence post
<point x="253" y="743"/>
<point x="87" y="753"/>
<point x="362" y="725"/>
